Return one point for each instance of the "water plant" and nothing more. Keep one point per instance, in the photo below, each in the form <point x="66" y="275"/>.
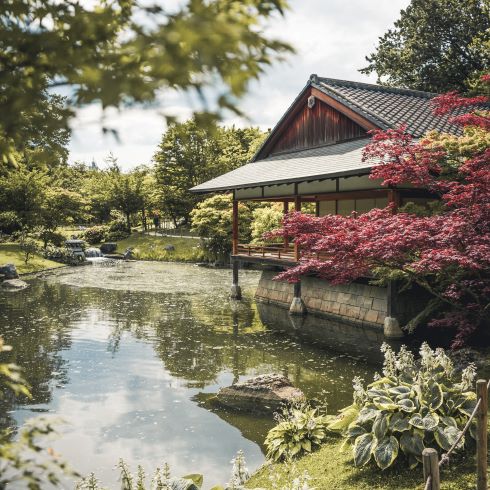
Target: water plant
<point x="412" y="405"/>
<point x="300" y="430"/>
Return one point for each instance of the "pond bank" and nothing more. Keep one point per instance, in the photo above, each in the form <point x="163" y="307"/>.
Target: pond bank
<point x="332" y="468"/>
<point x="11" y="253"/>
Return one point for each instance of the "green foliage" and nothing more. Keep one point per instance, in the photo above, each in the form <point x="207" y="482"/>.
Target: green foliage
<point x="124" y="52"/>
<point x="57" y="254"/>
<point x="51" y="237"/>
<point x="265" y="219"/>
<point x="95" y="234"/>
<point x="190" y="154"/>
<point x="26" y="461"/>
<point x="29" y="247"/>
<point x="413" y="406"/>
<point x="9" y="222"/>
<point x="300" y="430"/>
<point x="436" y="46"/>
<point x="212" y="219"/>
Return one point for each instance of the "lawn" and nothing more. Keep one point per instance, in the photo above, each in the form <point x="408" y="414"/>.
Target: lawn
<point x="150" y="247"/>
<point x="10" y="253"/>
<point x="331" y="468"/>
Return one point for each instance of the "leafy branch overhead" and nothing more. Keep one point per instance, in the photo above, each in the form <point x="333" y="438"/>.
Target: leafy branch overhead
<point x="122" y="52"/>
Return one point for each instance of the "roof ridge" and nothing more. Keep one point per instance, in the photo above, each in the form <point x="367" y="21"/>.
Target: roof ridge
<point x="377" y="87"/>
<point x="359" y="107"/>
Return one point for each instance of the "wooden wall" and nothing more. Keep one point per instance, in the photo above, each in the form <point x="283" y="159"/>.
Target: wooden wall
<point x="317" y="126"/>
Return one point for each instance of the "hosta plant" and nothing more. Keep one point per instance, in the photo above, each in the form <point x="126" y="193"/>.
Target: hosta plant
<point x="300" y="429"/>
<point x="413" y="405"/>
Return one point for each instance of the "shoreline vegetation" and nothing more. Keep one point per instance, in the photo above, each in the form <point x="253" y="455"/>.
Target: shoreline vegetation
<point x="145" y="247"/>
<point x="331" y="467"/>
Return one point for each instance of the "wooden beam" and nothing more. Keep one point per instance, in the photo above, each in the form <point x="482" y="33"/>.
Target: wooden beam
<point x="363" y="122"/>
<point x="338" y="196"/>
<point x="235" y="227"/>
<point x="297" y="203"/>
<point x="394" y="197"/>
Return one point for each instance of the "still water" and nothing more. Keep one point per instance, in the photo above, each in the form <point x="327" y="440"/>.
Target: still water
<point x="128" y="355"/>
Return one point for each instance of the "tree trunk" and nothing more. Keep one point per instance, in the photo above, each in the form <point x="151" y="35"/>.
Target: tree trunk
<point x="128" y="221"/>
<point x="143" y="219"/>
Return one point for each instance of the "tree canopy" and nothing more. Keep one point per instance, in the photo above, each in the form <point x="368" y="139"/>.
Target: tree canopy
<point x="119" y="52"/>
<point x="190" y="154"/>
<point x="446" y="252"/>
<point x="435" y="46"/>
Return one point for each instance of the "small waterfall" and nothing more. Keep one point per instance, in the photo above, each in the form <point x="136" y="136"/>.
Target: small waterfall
<point x="93" y="252"/>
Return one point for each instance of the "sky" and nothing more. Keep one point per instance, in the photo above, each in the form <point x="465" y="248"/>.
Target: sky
<point x="331" y="38"/>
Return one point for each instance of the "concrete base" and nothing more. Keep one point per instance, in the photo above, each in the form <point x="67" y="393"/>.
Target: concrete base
<point x="297" y="307"/>
<point x="391" y="328"/>
<point x="236" y="292"/>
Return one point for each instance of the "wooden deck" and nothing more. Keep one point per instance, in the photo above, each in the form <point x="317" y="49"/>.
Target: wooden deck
<point x="277" y="254"/>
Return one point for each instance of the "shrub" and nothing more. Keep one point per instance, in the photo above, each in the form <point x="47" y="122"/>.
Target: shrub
<point x="412" y="406"/>
<point x="118" y="226"/>
<point x="114" y="236"/>
<point x="300" y="430"/>
<point x="9" y="222"/>
<point x="95" y="234"/>
<point x="29" y="248"/>
<point x="266" y="219"/>
<point x="57" y="254"/>
<point x="57" y="239"/>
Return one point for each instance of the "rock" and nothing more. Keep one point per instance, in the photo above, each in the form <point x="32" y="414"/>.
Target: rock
<point x="9" y="271"/>
<point x="169" y="248"/>
<point x="108" y="248"/>
<point x="14" y="284"/>
<point x="264" y="393"/>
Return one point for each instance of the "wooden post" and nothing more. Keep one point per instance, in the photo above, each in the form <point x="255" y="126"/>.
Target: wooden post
<point x="285" y="211"/>
<point x="481" y="435"/>
<point x="317" y="209"/>
<point x="430" y="461"/>
<point x="235" y="228"/>
<point x="297" y="203"/>
<point x="394" y="198"/>
<point x="236" y="290"/>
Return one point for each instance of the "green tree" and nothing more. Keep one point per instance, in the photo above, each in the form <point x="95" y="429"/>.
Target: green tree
<point x="435" y="45"/>
<point x="121" y="52"/>
<point x="23" y="192"/>
<point x="190" y="154"/>
<point x="126" y="192"/>
<point x="59" y="207"/>
<point x="212" y="219"/>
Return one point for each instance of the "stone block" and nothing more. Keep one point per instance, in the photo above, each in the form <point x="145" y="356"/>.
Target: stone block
<point x="371" y="316"/>
<point x="379" y="304"/>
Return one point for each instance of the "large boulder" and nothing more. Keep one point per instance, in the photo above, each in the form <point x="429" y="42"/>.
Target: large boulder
<point x="265" y="393"/>
<point x="9" y="271"/>
<point x="108" y="248"/>
<point x="14" y="284"/>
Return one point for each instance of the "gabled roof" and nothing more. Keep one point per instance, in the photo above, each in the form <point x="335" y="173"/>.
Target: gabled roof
<point x="340" y="160"/>
<point x="377" y="105"/>
<point x="387" y="107"/>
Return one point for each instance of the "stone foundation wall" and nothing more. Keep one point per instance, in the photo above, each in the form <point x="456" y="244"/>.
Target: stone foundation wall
<point x="356" y="303"/>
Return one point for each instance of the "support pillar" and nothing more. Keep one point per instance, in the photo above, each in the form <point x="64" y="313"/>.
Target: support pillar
<point x="297" y="305"/>
<point x="297" y="203"/>
<point x="235" y="228"/>
<point x="285" y="210"/>
<point x="391" y="327"/>
<point x="236" y="290"/>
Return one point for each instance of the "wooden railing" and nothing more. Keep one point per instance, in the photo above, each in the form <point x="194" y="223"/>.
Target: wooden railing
<point x="279" y="251"/>
<point x="430" y="457"/>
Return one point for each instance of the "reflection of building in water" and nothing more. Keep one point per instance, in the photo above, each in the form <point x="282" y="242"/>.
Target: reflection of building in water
<point x="335" y="335"/>
<point x="312" y="160"/>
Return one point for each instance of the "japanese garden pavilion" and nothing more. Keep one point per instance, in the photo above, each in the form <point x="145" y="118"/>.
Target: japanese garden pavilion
<point x="314" y="155"/>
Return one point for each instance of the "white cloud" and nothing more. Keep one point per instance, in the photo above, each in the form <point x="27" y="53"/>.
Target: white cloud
<point x="331" y="39"/>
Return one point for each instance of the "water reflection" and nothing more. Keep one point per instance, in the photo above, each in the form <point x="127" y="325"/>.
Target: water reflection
<point x="129" y="355"/>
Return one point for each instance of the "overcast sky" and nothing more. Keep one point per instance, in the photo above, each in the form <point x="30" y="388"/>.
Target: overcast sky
<point x="331" y="38"/>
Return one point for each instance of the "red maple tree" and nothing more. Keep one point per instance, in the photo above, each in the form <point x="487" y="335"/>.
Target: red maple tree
<point x="446" y="250"/>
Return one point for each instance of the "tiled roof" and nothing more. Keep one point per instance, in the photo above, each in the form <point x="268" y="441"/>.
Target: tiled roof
<point x="338" y="160"/>
<point x="385" y="106"/>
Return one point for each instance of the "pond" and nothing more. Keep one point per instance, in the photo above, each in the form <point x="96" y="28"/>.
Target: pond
<point x="128" y="355"/>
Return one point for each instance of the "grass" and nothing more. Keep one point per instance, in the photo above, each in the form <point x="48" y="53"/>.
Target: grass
<point x="331" y="468"/>
<point x="10" y="253"/>
<point x="149" y="247"/>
